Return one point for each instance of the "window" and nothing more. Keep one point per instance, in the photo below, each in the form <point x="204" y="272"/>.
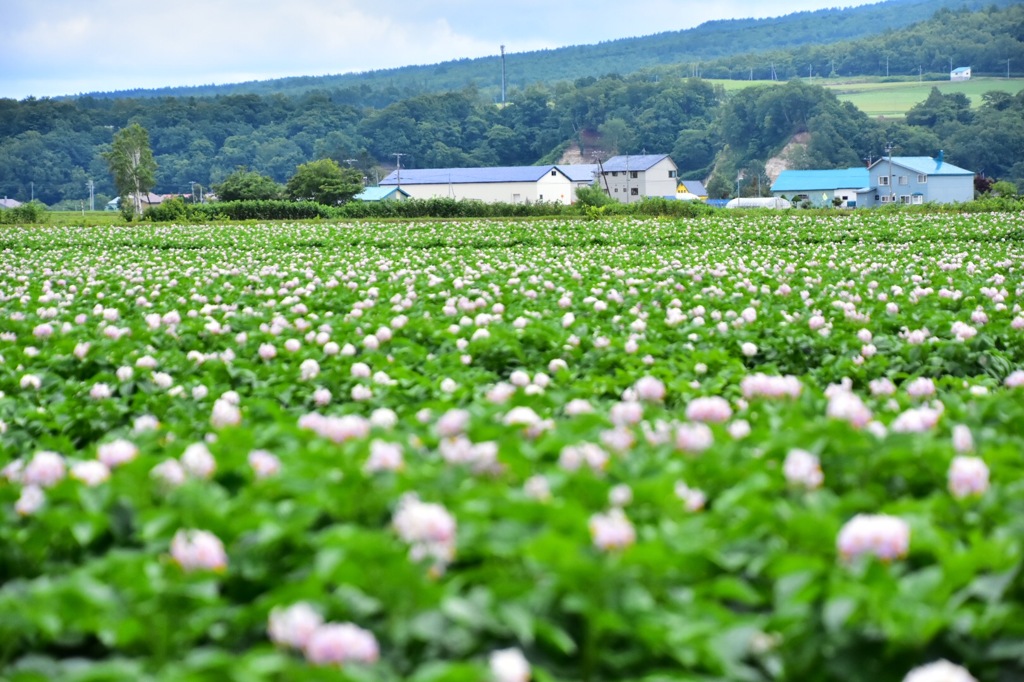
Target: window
<point x="540" y="197"/>
<point x="633" y="174"/>
<point x="554" y="172"/>
<point x="515" y="198"/>
<point x="904" y="198"/>
<point x="883" y="180"/>
<point x="885" y="198"/>
<point x="635" y="191"/>
<point x="904" y="180"/>
<point x="615" y="174"/>
<point x="672" y="174"/>
<point x="922" y="179"/>
<point x="918" y="199"/>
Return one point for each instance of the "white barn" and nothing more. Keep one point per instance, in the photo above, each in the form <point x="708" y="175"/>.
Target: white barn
<point x="962" y="73"/>
<point x="508" y="184"/>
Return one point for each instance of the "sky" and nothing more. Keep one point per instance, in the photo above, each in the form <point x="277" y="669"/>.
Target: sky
<point x="50" y="48"/>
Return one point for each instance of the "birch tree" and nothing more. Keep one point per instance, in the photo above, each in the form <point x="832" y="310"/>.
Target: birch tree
<point x="132" y="165"/>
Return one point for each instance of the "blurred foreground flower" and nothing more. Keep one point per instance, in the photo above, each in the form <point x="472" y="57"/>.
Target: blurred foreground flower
<point x="198" y="550"/>
<point x="509" y="665"/>
<point x="886" y="537"/>
<point x="612" y="530"/>
<point x="967" y="476"/>
<point x="939" y="671"/>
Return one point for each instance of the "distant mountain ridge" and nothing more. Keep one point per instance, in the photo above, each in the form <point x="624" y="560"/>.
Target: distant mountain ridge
<point x="687" y="48"/>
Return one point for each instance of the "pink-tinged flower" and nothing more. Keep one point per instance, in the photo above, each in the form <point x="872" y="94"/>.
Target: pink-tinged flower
<point x="749" y="349"/>
<point x="865" y="335"/>
<point x="916" y="420"/>
<point x="693" y="499"/>
<point x="360" y="370"/>
<point x="620" y="495"/>
<point x="967" y="476"/>
<point x="802" y="469"/>
<point x="31" y="499"/>
<point x="712" y="409"/>
<point x="921" y="387"/>
<point x="292" y="345"/>
<point x="739" y="429"/>
<point x="146" y="362"/>
<point x="578" y="406"/>
<point x="384" y="456"/>
<point x="963" y="441"/>
<point x="45" y="469"/>
<point x="225" y="414"/>
<point x="309" y="369"/>
<point x="337" y="429"/>
<point x="383" y="418"/>
<point x="612" y="530"/>
<point x="124" y="373"/>
<point x="116" y="453"/>
<point x="428" y="528"/>
<point x="197" y="461"/>
<point x="765" y="386"/>
<point x="848" y="407"/>
<point x="557" y="365"/>
<point x="650" y="389"/>
<point x="509" y="665"/>
<point x="620" y="439"/>
<point x="30" y="382"/>
<point x="537" y="488"/>
<point x="881" y="386"/>
<point x="482" y="457"/>
<point x="500" y="393"/>
<point x="91" y="472"/>
<point x="294" y="626"/>
<point x="939" y="671"/>
<point x="448" y="385"/>
<point x="578" y="455"/>
<point x="695" y="438"/>
<point x="626" y="413"/>
<point x="1015" y="379"/>
<point x="169" y="472"/>
<point x="267" y="351"/>
<point x="886" y="537"/>
<point x="264" y="464"/>
<point x="521" y="416"/>
<point x="198" y="550"/>
<point x="146" y="422"/>
<point x="341" y="643"/>
<point x="519" y="378"/>
<point x="452" y="423"/>
<point x="81" y="349"/>
<point x="13" y="471"/>
<point x="361" y="393"/>
<point x="100" y="391"/>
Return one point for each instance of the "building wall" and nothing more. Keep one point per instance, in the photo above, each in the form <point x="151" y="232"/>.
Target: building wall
<point x="550" y="188"/>
<point x="940" y="189"/>
<point x="631" y="186"/>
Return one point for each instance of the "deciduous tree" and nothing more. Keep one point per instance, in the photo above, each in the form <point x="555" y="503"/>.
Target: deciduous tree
<point x="324" y="182"/>
<point x="132" y="165"/>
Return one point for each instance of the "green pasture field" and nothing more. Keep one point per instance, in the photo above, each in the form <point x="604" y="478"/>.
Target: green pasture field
<point x="893" y="99"/>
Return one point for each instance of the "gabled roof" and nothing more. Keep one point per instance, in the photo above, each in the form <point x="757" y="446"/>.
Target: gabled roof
<point x="961" y="69"/>
<point x="9" y="203"/>
<point x="925" y="165"/>
<point x="694" y="187"/>
<point x="580" y="172"/>
<point x="634" y="162"/>
<point x="379" y="193"/>
<point x="458" y="176"/>
<point x="817" y="180"/>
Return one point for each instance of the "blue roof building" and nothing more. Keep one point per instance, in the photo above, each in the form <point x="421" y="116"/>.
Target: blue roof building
<point x="852" y="186"/>
<point x="509" y="184"/>
<point x="381" y="194"/>
<point x="920" y="180"/>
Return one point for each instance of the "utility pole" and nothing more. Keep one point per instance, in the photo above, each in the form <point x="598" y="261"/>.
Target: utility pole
<point x="92" y="195"/>
<point x="502" y="75"/>
<point x="627" y="179"/>
<point x="888" y="182"/>
<point x="33" y="186"/>
<point x="1007" y="69"/>
<point x="398" y="164"/>
<point x="886" y="66"/>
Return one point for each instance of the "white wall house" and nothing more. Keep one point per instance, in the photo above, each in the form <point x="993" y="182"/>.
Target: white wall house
<point x="508" y="184"/>
<point x="962" y="73"/>
<point x="633" y="177"/>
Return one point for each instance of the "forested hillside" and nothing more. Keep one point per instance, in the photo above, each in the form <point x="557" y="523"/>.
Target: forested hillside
<point x="715" y="49"/>
<point x="50" y="149"/>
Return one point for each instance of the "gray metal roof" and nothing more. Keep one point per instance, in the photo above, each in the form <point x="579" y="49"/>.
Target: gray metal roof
<point x="633" y="162"/>
<point x="459" y="176"/>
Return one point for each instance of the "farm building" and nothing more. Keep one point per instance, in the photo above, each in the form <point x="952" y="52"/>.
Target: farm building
<point x="581" y="174"/>
<point x="510" y="184"/>
<point x="633" y="177"/>
<point x="695" y="187"/>
<point x="9" y="203"/>
<point x="852" y="186"/>
<point x="962" y="73"/>
<point x="148" y="200"/>
<point x="381" y="194"/>
<point x="920" y="180"/>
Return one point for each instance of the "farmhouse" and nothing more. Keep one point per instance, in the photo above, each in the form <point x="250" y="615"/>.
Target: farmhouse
<point x="632" y="177"/>
<point x="510" y="184"/>
<point x="920" y="180"/>
<point x="9" y="203"/>
<point x="851" y="186"/>
<point x="962" y="73"/>
<point x="381" y="194"/>
<point x="694" y="187"/>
